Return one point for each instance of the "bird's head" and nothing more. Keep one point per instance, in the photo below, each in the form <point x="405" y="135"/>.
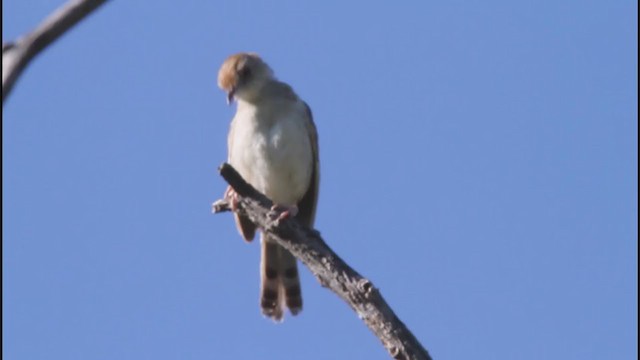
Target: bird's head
<point x="242" y="75"/>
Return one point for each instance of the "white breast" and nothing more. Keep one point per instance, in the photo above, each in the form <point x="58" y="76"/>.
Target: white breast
<point x="271" y="149"/>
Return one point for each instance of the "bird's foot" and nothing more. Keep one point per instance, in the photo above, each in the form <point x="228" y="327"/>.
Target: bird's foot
<point x="284" y="212"/>
<point x="231" y="196"/>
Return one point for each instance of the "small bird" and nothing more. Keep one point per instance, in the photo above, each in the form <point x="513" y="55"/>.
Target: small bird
<point x="273" y="144"/>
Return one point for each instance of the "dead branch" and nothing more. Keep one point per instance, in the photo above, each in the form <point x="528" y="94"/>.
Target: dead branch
<point x="330" y="270"/>
<point x="18" y="54"/>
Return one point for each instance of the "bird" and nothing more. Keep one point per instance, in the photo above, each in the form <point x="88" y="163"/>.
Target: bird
<point x="273" y="144"/>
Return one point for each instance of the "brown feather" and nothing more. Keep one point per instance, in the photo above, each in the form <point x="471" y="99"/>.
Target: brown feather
<point x="245" y="226"/>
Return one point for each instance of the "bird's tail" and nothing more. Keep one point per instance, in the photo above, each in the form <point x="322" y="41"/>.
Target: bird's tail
<point x="280" y="283"/>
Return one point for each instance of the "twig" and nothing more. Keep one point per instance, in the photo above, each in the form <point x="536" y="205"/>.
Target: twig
<point x="332" y="272"/>
<point x="17" y="55"/>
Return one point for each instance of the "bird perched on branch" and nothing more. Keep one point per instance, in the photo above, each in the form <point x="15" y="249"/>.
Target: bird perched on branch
<point x="273" y="144"/>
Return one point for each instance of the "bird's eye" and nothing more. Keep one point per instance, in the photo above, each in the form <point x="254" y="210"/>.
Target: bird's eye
<point x="245" y="72"/>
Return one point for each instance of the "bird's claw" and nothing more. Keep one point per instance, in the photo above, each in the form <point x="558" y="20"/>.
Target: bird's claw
<point x="283" y="212"/>
<point x="231" y="196"/>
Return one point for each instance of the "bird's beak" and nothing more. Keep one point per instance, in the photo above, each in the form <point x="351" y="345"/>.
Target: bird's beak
<point x="230" y="96"/>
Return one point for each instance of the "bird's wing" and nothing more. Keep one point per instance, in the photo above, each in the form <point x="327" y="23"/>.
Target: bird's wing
<point x="307" y="205"/>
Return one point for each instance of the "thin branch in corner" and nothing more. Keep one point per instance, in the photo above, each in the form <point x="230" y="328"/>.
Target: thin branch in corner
<point x="330" y="270"/>
<point x="18" y="54"/>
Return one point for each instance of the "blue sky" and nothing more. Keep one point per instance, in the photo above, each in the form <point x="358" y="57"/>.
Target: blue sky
<point x="479" y="165"/>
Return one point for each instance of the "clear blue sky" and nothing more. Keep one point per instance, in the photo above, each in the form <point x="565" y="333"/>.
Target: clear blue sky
<point x="479" y="165"/>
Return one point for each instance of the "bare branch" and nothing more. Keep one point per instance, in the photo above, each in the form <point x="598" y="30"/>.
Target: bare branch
<point x="18" y="54"/>
<point x="332" y="272"/>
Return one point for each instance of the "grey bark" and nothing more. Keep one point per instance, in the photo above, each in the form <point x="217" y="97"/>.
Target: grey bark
<point x="331" y="271"/>
<point x="18" y="54"/>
